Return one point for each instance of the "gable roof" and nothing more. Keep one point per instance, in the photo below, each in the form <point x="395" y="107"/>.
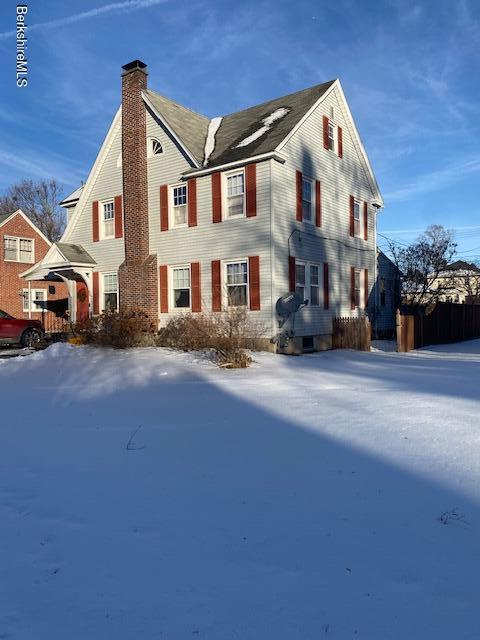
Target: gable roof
<point x="7" y="216"/>
<point x="72" y="198"/>
<point x="75" y="253"/>
<point x="461" y="265"/>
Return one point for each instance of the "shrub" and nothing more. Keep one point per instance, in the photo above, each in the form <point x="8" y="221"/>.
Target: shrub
<point x="227" y="334"/>
<point x="119" y="329"/>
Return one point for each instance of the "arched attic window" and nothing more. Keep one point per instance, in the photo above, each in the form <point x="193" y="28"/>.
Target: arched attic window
<point x="154" y="147"/>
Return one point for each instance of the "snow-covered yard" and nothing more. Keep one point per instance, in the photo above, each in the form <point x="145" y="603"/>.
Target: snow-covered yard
<point x="148" y="494"/>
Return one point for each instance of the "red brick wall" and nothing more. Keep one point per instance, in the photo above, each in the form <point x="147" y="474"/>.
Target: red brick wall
<point x="11" y="285"/>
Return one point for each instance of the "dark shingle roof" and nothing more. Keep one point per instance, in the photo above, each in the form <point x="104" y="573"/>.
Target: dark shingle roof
<point x="75" y="253"/>
<point x="191" y="128"/>
<point x="461" y="265"/>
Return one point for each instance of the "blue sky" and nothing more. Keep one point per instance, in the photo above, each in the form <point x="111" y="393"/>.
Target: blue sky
<point x="410" y="72"/>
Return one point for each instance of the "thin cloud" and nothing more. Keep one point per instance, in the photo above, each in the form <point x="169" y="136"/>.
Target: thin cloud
<point x="434" y="181"/>
<point x="40" y="167"/>
<point x="114" y="7"/>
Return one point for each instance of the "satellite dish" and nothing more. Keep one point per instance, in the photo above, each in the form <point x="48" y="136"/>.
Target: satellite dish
<point x="291" y="303"/>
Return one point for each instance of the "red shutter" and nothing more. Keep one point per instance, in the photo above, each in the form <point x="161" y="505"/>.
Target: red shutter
<point x="163" y="288"/>
<point x="352" y="288"/>
<point x="196" y="289"/>
<point x="217" y="197"/>
<point x="365" y="220"/>
<point x="318" y="203"/>
<point x="291" y="274"/>
<point x="164" y="207"/>
<point x="299" y="196"/>
<point x="96" y="294"/>
<point x="325" y="133"/>
<point x="118" y="217"/>
<point x="216" y="286"/>
<point x="95" y="230"/>
<point x="192" y="202"/>
<point x="352" y="217"/>
<point x="326" y="286"/>
<point x="254" y="282"/>
<point x="365" y="284"/>
<point x="340" y="141"/>
<point x="251" y="189"/>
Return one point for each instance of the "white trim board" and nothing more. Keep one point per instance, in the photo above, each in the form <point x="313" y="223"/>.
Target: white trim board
<point x="20" y="212"/>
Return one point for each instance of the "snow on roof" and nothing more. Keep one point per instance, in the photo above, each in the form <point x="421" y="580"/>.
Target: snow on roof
<point x="267" y="125"/>
<point x="210" y="140"/>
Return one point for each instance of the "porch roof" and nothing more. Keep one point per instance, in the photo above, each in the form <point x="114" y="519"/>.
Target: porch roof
<point x="64" y="258"/>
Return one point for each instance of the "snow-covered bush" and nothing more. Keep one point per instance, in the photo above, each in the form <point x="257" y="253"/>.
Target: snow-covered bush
<point x="229" y="335"/>
<point x="119" y="329"/>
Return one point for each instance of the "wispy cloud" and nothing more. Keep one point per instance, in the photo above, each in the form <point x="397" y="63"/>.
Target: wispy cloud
<point x="434" y="181"/>
<point x="32" y="165"/>
<point x="114" y="7"/>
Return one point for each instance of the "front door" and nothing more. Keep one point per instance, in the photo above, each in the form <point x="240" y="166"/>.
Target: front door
<point x="82" y="301"/>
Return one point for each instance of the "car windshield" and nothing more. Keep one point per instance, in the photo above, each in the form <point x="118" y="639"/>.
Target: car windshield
<point x="5" y="315"/>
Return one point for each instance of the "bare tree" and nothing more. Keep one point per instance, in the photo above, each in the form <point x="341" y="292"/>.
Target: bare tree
<point x="39" y="201"/>
<point x="421" y="263"/>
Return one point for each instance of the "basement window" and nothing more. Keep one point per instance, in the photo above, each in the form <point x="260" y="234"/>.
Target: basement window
<point x="307" y="343"/>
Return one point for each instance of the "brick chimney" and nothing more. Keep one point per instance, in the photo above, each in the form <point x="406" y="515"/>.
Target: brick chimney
<point x="138" y="279"/>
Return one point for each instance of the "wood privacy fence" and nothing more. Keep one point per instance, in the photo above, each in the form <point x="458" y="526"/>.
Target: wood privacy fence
<point x="351" y="333"/>
<point x="448" y="322"/>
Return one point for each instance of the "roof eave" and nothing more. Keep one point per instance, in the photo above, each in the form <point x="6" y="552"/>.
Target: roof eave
<point x="268" y="155"/>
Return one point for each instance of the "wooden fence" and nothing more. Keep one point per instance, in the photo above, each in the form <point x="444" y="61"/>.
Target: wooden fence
<point x="351" y="333"/>
<point x="448" y="322"/>
<point x="54" y="324"/>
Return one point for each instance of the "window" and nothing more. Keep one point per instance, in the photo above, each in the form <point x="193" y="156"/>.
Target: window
<point x="181" y="287"/>
<point x="34" y="302"/>
<point x="300" y="279"/>
<point x="331" y="136"/>
<point x="314" y="285"/>
<point x="357" y="291"/>
<point x="108" y="219"/>
<point x="110" y="291"/>
<point x="18" y="249"/>
<point x="382" y="292"/>
<point x="235" y="194"/>
<point x="237" y="280"/>
<point x="154" y="147"/>
<point x="307" y="199"/>
<point x="179" y="197"/>
<point x="356" y="217"/>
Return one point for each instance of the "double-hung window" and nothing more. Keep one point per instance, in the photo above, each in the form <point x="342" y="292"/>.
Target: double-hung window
<point x="235" y="194"/>
<point x="181" y="287"/>
<point x="358" y="290"/>
<point x="18" y="249"/>
<point x="110" y="291"/>
<point x="356" y="217"/>
<point x="307" y="200"/>
<point x="108" y="220"/>
<point x="179" y="205"/>
<point x="237" y="283"/>
<point x="34" y="300"/>
<point x="307" y="282"/>
<point x="331" y="136"/>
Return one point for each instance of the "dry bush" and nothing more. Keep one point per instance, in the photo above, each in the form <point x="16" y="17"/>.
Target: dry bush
<point x="118" y="329"/>
<point x="228" y="335"/>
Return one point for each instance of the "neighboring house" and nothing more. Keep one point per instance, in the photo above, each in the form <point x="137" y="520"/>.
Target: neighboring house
<point x="385" y="298"/>
<point x="23" y="244"/>
<point x="460" y="283"/>
<point x="183" y="213"/>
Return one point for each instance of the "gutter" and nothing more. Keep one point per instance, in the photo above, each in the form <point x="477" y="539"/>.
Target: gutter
<point x="270" y="155"/>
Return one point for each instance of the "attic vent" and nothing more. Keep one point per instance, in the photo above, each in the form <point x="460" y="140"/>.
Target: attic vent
<point x="154" y="147"/>
<point x="332" y="113"/>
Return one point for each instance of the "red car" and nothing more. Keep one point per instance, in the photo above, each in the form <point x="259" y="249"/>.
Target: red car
<point x="29" y="333"/>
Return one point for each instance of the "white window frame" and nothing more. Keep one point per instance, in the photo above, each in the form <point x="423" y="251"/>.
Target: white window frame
<point x="226" y="286"/>
<point x="28" y="300"/>
<point x="17" y="242"/>
<point x="102" y="286"/>
<point x="171" y="289"/>
<point x="150" y="142"/>
<point x="334" y="138"/>
<point x="312" y="200"/>
<point x="360" y="289"/>
<point x="102" y="218"/>
<point x="171" y="205"/>
<point x="226" y="197"/>
<point x="360" y="216"/>
<point x="307" y="286"/>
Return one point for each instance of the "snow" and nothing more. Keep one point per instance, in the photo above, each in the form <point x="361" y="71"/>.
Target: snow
<point x="150" y="494"/>
<point x="213" y="126"/>
<point x="267" y="125"/>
